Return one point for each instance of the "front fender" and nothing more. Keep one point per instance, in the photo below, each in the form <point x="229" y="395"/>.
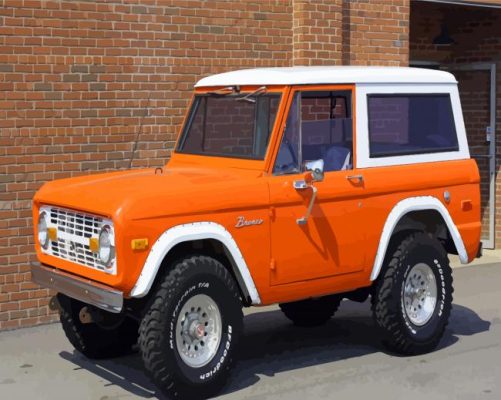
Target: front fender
<point x="190" y="232"/>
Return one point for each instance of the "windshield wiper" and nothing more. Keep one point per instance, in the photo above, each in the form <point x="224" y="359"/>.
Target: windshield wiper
<point x="248" y="97"/>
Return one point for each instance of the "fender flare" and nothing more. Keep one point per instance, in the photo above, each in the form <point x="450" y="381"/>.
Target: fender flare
<point x="189" y="232"/>
<point x="415" y="204"/>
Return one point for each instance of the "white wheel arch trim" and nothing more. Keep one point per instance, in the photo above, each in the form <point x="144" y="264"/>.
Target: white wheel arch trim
<point x="188" y="232"/>
<point x="415" y="204"/>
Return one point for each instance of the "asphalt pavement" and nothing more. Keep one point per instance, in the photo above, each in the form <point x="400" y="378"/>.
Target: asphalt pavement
<point x="340" y="360"/>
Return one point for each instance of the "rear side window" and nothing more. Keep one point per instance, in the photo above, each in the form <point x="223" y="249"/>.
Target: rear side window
<point x="403" y="124"/>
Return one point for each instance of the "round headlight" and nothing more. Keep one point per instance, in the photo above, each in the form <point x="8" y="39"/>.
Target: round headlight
<point x="106" y="248"/>
<point x="43" y="234"/>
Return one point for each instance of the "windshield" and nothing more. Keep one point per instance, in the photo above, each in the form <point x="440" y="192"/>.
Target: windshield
<point x="230" y="125"/>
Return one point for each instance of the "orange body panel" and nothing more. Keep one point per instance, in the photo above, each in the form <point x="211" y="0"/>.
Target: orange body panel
<point x="334" y="252"/>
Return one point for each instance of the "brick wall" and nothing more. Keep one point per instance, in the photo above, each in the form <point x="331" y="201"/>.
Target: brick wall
<point x="362" y="32"/>
<point x="375" y="32"/>
<point x="317" y="32"/>
<point x="80" y="79"/>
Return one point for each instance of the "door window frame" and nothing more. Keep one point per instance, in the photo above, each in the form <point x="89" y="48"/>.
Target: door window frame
<point x="314" y="88"/>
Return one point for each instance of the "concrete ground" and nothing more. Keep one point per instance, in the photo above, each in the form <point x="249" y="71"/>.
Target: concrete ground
<point x="341" y="360"/>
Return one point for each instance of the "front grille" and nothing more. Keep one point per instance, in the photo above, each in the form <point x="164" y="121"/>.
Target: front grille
<point x="74" y="229"/>
<point x="75" y="223"/>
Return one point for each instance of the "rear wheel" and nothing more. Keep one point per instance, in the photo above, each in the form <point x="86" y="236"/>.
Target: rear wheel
<point x="189" y="335"/>
<point x="311" y="312"/>
<point x="112" y="338"/>
<point x="413" y="297"/>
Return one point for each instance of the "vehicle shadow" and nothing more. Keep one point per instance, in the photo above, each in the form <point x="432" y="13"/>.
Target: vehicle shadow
<point x="351" y="333"/>
<point x="271" y="344"/>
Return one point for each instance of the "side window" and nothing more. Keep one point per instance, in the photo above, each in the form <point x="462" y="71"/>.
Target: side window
<point x="319" y="126"/>
<point x="410" y="124"/>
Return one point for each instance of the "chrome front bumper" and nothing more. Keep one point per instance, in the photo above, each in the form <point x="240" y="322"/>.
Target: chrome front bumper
<point x="82" y="289"/>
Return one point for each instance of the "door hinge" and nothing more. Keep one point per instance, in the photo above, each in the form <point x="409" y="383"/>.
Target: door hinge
<point x="272" y="213"/>
<point x="272" y="264"/>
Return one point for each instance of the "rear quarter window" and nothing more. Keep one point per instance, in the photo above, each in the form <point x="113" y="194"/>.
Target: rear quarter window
<point x="404" y="124"/>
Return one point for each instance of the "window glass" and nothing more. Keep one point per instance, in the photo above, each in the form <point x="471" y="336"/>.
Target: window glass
<point x="288" y="154"/>
<point x="319" y="126"/>
<point x="229" y="126"/>
<point x="410" y="124"/>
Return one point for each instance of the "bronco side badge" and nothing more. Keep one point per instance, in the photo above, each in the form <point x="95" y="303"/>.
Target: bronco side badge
<point x="241" y="222"/>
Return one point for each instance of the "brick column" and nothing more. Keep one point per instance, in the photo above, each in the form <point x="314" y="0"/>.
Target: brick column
<point x="317" y="32"/>
<point x="376" y="32"/>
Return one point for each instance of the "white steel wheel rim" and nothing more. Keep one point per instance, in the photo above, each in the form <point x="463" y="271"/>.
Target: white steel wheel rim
<point x="198" y="331"/>
<point x="420" y="294"/>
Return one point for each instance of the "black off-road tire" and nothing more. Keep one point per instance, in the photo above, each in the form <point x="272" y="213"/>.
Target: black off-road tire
<point x="399" y="333"/>
<point x="157" y="334"/>
<point x="311" y="312"/>
<point x="92" y="340"/>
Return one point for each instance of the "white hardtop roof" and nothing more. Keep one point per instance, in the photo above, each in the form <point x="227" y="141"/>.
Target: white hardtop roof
<point x="326" y="75"/>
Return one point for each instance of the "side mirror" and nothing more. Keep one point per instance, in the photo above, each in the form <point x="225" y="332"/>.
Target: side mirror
<point x="316" y="168"/>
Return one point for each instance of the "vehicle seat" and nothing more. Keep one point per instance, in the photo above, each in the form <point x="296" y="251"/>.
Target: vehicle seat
<point x="337" y="158"/>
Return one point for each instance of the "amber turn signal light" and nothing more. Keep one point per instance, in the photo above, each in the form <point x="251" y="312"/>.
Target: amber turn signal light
<point x="139" y="244"/>
<point x="94" y="244"/>
<point x="52" y="233"/>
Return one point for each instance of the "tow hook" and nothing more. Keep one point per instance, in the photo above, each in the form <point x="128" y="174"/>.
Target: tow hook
<point x="86" y="316"/>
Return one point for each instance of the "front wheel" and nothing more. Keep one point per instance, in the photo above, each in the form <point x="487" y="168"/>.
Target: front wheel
<point x="413" y="297"/>
<point x="189" y="335"/>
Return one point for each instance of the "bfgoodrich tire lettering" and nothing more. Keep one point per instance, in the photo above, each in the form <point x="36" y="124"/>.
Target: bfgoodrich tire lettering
<point x="400" y="334"/>
<point x="191" y="277"/>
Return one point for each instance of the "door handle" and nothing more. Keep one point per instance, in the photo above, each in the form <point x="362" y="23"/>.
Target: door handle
<point x="355" y="178"/>
<point x="301" y="185"/>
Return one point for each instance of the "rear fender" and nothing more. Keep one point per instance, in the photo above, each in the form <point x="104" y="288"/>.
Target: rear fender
<point x="415" y="204"/>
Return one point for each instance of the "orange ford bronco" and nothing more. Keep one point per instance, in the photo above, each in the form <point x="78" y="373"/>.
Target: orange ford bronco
<point x="299" y="186"/>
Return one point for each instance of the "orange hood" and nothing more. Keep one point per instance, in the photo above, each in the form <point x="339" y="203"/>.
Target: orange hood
<point x="143" y="194"/>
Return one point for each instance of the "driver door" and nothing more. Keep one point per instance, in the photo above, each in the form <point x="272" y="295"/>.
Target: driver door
<point x="319" y="126"/>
